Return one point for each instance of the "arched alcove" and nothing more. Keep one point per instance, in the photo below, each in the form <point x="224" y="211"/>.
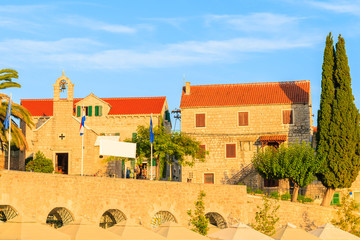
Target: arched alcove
<point x="7" y="212"/>
<point x="162" y="217"/>
<point x="216" y="219"/>
<point x="111" y="217"/>
<point x="59" y="217"/>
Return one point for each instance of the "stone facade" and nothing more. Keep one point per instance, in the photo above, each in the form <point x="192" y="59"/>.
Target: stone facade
<point x="87" y="198"/>
<point x="57" y="127"/>
<point x="222" y="128"/>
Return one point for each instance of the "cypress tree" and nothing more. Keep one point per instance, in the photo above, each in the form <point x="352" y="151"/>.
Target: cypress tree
<point x="341" y="162"/>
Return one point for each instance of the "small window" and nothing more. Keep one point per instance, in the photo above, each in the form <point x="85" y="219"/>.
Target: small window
<point x="200" y="120"/>
<point x="230" y="150"/>
<point x="98" y="111"/>
<point x="78" y="111"/>
<point x="209" y="178"/>
<point x="243" y="118"/>
<point x="271" y="183"/>
<point x="288" y="117"/>
<point x="202" y="150"/>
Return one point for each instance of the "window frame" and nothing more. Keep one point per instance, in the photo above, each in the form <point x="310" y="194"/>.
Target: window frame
<point x="282" y="117"/>
<point x="248" y="118"/>
<point x="209" y="173"/>
<point x="232" y="143"/>
<point x="195" y="120"/>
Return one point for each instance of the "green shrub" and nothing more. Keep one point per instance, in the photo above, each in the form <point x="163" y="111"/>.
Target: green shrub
<point x="308" y="199"/>
<point x="249" y="190"/>
<point x="275" y="195"/>
<point x="258" y="191"/>
<point x="40" y="164"/>
<point x="286" y="196"/>
<point x="301" y="198"/>
<point x="266" y="217"/>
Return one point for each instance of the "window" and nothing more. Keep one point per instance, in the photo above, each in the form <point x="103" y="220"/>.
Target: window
<point x="271" y="183"/>
<point x="288" y="117"/>
<point x="243" y="118"/>
<point x="98" y="111"/>
<point x="88" y="111"/>
<point x="209" y="178"/>
<point x="202" y="150"/>
<point x="230" y="150"/>
<point x="200" y="120"/>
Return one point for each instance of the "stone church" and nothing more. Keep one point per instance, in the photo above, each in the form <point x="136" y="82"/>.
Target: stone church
<point x="57" y="121"/>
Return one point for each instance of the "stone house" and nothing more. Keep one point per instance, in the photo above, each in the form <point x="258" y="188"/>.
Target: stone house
<point x="232" y="121"/>
<point x="58" y="121"/>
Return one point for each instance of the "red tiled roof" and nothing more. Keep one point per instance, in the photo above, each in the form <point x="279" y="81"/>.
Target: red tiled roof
<point x="273" y="138"/>
<point x="119" y="106"/>
<point x="246" y="94"/>
<point x="315" y="129"/>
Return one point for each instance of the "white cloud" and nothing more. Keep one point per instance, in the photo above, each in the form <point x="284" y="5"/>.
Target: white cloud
<point x="352" y="7"/>
<point x="98" y="25"/>
<point x="256" y="22"/>
<point x="73" y="52"/>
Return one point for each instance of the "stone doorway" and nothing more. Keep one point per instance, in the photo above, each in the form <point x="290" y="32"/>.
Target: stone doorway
<point x="62" y="163"/>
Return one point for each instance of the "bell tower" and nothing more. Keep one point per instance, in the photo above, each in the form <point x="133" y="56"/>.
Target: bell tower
<point x="63" y="106"/>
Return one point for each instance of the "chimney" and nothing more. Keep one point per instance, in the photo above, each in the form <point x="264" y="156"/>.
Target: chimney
<point x="187" y="88"/>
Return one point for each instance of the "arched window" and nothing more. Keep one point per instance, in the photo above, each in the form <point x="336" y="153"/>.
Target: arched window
<point x="7" y="212"/>
<point x="59" y="217"/>
<point x="162" y="217"/>
<point x="216" y="219"/>
<point x="111" y="217"/>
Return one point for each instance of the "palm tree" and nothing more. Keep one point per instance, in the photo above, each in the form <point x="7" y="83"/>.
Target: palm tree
<point x="17" y="112"/>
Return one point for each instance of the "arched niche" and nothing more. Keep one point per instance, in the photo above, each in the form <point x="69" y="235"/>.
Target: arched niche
<point x="216" y="219"/>
<point x="111" y="217"/>
<point x="162" y="217"/>
<point x="7" y="212"/>
<point x="59" y="217"/>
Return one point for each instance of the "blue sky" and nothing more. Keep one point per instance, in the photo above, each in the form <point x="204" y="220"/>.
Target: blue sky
<point x="144" y="48"/>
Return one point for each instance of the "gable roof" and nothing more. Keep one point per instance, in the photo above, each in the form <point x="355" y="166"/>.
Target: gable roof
<point x="246" y="94"/>
<point x="119" y="106"/>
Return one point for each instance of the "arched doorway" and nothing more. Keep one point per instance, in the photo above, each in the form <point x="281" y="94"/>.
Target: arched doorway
<point x="111" y="217"/>
<point x="216" y="219"/>
<point x="59" y="217"/>
<point x="7" y="212"/>
<point x="162" y="217"/>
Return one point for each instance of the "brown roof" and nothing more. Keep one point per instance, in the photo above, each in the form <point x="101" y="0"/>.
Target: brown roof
<point x="246" y="94"/>
<point x="119" y="106"/>
<point x="273" y="138"/>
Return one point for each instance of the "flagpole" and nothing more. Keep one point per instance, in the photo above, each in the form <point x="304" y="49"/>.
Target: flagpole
<point x="9" y="135"/>
<point x="151" y="163"/>
<point x="82" y="155"/>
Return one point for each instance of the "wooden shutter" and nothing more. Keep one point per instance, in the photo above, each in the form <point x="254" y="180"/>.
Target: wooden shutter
<point x="288" y="117"/>
<point x="243" y="118"/>
<point x="200" y="120"/>
<point x="230" y="150"/>
<point x="100" y="110"/>
<point x="90" y="111"/>
<point x="96" y="110"/>
<point x="209" y="178"/>
<point x="78" y="111"/>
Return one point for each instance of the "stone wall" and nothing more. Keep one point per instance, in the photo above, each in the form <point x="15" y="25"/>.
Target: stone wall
<point x="36" y="194"/>
<point x="222" y="128"/>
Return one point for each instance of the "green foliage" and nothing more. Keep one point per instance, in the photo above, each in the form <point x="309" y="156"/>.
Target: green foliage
<point x="341" y="149"/>
<point x="286" y="196"/>
<point x="249" y="189"/>
<point x="40" y="164"/>
<point x="266" y="162"/>
<point x="198" y="220"/>
<point x="347" y="218"/>
<point x="28" y="159"/>
<point x="258" y="191"/>
<point x="275" y="195"/>
<point x="266" y="217"/>
<point x="167" y="147"/>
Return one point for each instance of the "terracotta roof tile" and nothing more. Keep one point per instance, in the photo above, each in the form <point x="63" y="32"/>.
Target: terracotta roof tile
<point x="246" y="94"/>
<point x="273" y="138"/>
<point x="119" y="106"/>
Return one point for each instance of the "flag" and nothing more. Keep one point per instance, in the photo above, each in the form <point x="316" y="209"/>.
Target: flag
<point x="8" y="116"/>
<point x="151" y="131"/>
<point x="82" y="124"/>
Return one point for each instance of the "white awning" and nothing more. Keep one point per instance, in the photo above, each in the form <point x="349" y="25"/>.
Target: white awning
<point x="111" y="138"/>
<point x="117" y="149"/>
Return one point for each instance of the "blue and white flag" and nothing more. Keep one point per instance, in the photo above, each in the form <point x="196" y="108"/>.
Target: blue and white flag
<point x="82" y="125"/>
<point x="8" y="116"/>
<point x="151" y="131"/>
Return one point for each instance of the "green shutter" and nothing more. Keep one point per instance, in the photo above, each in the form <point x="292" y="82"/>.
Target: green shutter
<point x="117" y="134"/>
<point x="167" y="115"/>
<point x="154" y="162"/>
<point x="90" y="111"/>
<point x="78" y="112"/>
<point x="133" y="164"/>
<point x="96" y="110"/>
<point x="134" y="136"/>
<point x="100" y="110"/>
<point x="336" y="199"/>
